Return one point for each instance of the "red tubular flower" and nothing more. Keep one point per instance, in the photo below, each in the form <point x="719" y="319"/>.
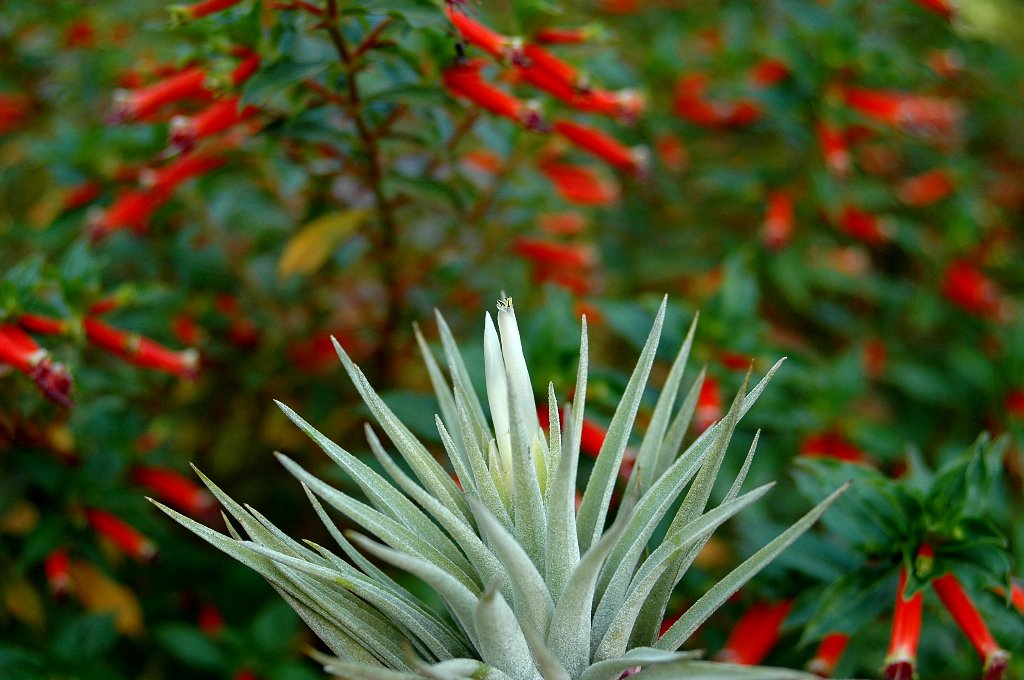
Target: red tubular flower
<point x="464" y="80"/>
<point x="926" y="188"/>
<point x="14" y="111"/>
<point x="600" y="144"/>
<point x="568" y="223"/>
<point x="671" y="152"/>
<point x="563" y="36"/>
<point x="1016" y="591"/>
<point x="167" y="179"/>
<point x="554" y="255"/>
<point x="940" y="7"/>
<point x="143" y="102"/>
<point x="211" y="621"/>
<point x="18" y="349"/>
<point x="220" y="116"/>
<point x="709" y="405"/>
<point x="778" y="220"/>
<point x="834" y="149"/>
<point x="906" y="633"/>
<point x="248" y="66"/>
<point x="201" y="9"/>
<point x="592" y="438"/>
<point x="130" y="210"/>
<point x="755" y="634"/>
<point x="120" y="533"/>
<point x="476" y="33"/>
<point x="579" y="184"/>
<point x="829" y="652"/>
<point x="172" y="487"/>
<point x="959" y="605"/>
<point x="82" y="194"/>
<point x="769" y="71"/>
<point x="44" y="325"/>
<point x="831" y="445"/>
<point x="548" y="82"/>
<point x="863" y="226"/>
<point x="58" y="574"/>
<point x="969" y="289"/>
<point x="915" y="112"/>
<point x="536" y="58"/>
<point x="626" y="105"/>
<point x="140" y="350"/>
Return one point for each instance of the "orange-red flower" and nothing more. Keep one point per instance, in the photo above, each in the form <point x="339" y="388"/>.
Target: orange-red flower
<point x="580" y="184"/>
<point x="173" y="488"/>
<point x="202" y="9"/>
<point x="966" y="615"/>
<point x="830" y="650"/>
<point x="143" y="102"/>
<point x="44" y="325"/>
<point x="218" y="117"/>
<point x="969" y="289"/>
<point x="126" y="537"/>
<point x="769" y="71"/>
<point x="165" y="180"/>
<point x="478" y="34"/>
<point x="778" y="220"/>
<point x="709" y="405"/>
<point x="941" y="7"/>
<point x="834" y="148"/>
<point x="906" y="633"/>
<point x="755" y="634"/>
<point x="691" y="104"/>
<point x="140" y="350"/>
<point x="18" y="349"/>
<point x="906" y="110"/>
<point x="599" y="144"/>
<point x="926" y="188"/>
<point x="58" y="574"/>
<point x="464" y="80"/>
<point x="131" y="209"/>
<point x="863" y="226"/>
<point x="831" y="445"/>
<point x="563" y="36"/>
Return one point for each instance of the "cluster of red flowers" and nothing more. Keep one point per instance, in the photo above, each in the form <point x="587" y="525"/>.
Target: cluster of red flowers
<point x="533" y="65"/>
<point x="210" y="125"/>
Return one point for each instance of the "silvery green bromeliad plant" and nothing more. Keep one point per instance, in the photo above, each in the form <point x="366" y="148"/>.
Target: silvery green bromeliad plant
<point x="534" y="588"/>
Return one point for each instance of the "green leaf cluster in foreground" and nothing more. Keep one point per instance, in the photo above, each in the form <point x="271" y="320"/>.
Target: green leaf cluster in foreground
<point x="532" y="587"/>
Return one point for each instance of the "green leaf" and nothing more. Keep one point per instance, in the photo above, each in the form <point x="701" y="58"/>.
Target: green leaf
<point x="190" y="646"/>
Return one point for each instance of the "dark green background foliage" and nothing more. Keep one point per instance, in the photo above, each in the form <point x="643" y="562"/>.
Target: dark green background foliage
<point x="440" y="232"/>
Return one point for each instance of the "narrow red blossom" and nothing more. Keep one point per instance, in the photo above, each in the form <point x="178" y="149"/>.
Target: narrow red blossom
<point x="475" y="33"/>
<point x="554" y="255"/>
<point x="926" y="188"/>
<point x="769" y="71"/>
<point x="131" y="209"/>
<point x="831" y="445"/>
<point x="569" y="223"/>
<point x="143" y="102"/>
<point x="592" y="438"/>
<point x="18" y="349"/>
<point x="547" y="81"/>
<point x="82" y="194"/>
<point x="1016" y="591"/>
<point x="43" y="325"/>
<point x="107" y="304"/>
<point x="126" y="537"/>
<point x="863" y="226"/>
<point x="830" y="650"/>
<point x="166" y="180"/>
<point x="834" y="149"/>
<point x="969" y="289"/>
<point x="580" y="184"/>
<point x="966" y="615"/>
<point x="201" y="9"/>
<point x="709" y="405"/>
<point x="778" y="220"/>
<point x="14" y="111"/>
<point x="912" y="111"/>
<point x="755" y="634"/>
<point x="671" y="152"/>
<point x="249" y="65"/>
<point x="174" y="488"/>
<point x="627" y="105"/>
<point x="600" y="144"/>
<point x="218" y="117"/>
<point x="906" y="634"/>
<point x="140" y="350"/>
<point x="734" y="361"/>
<point x="941" y="7"/>
<point x="58" y="575"/>
<point x="690" y="103"/>
<point x="874" y="358"/>
<point x="563" y="36"/>
<point x="464" y="80"/>
<point x="210" y="620"/>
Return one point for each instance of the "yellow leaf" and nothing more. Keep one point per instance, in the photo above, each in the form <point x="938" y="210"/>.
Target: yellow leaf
<point x="24" y="603"/>
<point x="19" y="519"/>
<point x="98" y="593"/>
<point x="309" y="249"/>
